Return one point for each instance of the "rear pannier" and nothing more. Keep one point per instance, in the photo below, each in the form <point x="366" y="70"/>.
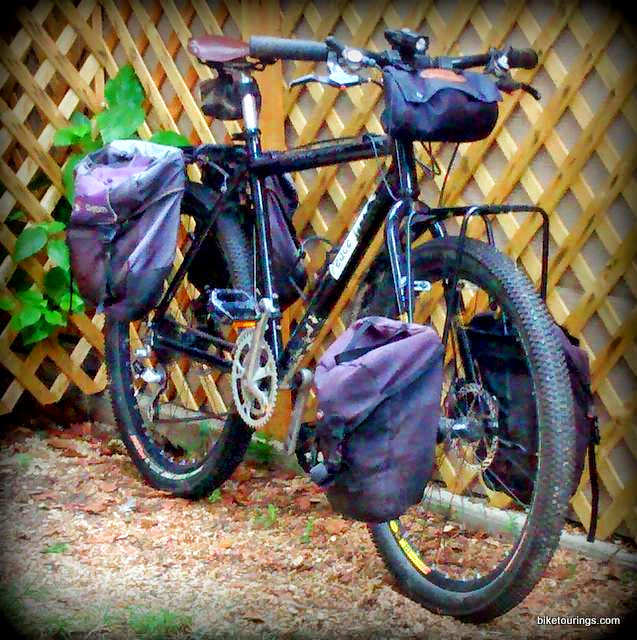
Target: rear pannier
<point x="123" y="229"/>
<point x="378" y="388"/>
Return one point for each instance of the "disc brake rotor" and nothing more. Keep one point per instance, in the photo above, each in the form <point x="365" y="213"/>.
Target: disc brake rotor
<point x="474" y="403"/>
<point x="254" y="399"/>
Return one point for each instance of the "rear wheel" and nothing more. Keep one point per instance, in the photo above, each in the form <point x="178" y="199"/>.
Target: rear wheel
<point x="167" y="406"/>
<point x="454" y="552"/>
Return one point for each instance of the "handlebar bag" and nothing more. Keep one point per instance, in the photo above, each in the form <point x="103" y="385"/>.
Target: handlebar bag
<point x="123" y="229"/>
<point x="439" y="105"/>
<point x="505" y="374"/>
<point x="378" y="388"/>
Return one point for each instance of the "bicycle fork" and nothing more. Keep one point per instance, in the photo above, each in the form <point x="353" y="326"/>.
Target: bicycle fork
<point x="405" y="207"/>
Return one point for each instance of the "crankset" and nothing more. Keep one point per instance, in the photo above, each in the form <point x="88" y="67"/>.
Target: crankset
<point x="254" y="379"/>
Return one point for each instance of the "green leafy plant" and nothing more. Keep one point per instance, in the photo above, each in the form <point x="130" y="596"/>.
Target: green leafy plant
<point x="261" y="448"/>
<point x="36" y="313"/>
<point x="215" y="496"/>
<point x="268" y="518"/>
<point x="120" y="120"/>
<point x="159" y="624"/>
<point x="307" y="532"/>
<point x="58" y="547"/>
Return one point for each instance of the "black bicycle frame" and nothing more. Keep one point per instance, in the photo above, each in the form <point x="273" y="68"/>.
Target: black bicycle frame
<point x="394" y="201"/>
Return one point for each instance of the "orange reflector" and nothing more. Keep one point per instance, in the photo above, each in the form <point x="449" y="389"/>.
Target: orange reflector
<point x="244" y="324"/>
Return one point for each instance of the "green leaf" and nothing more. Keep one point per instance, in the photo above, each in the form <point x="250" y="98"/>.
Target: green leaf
<point x="215" y="495"/>
<point x="79" y="119"/>
<point x="53" y="227"/>
<point x="54" y="318"/>
<point x="16" y="215"/>
<point x="26" y="317"/>
<point x="125" y="87"/>
<point x="307" y="532"/>
<point x="59" y="253"/>
<point x="58" y="547"/>
<point x="62" y="211"/>
<point x="88" y="145"/>
<point x="31" y="298"/>
<point x="68" y="178"/>
<point x="120" y="122"/>
<point x="29" y="242"/>
<point x="77" y="302"/>
<point x="79" y="130"/>
<point x="7" y="304"/>
<point x="70" y="135"/>
<point x="39" y="331"/>
<point x="57" y="283"/>
<point x="170" y="138"/>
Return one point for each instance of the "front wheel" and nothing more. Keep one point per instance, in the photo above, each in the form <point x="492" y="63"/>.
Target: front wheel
<point x="445" y="552"/>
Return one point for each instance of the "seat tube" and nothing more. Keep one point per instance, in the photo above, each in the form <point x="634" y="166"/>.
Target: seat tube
<point x="253" y="144"/>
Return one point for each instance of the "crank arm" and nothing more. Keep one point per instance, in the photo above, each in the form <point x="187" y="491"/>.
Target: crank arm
<point x="267" y="309"/>
<point x="303" y="393"/>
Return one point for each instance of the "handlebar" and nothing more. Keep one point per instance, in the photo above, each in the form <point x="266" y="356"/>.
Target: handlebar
<point x="522" y="58"/>
<point x="271" y="48"/>
<point x="268" y="47"/>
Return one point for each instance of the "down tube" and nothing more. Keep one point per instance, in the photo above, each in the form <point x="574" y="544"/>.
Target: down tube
<point x="334" y="277"/>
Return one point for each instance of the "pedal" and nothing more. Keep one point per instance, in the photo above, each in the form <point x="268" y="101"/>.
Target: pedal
<point x="231" y="305"/>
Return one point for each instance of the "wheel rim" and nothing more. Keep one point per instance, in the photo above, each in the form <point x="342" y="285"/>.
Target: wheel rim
<point x="452" y="537"/>
<point x="181" y="417"/>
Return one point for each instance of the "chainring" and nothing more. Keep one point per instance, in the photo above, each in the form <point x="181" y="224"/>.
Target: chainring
<point x="257" y="408"/>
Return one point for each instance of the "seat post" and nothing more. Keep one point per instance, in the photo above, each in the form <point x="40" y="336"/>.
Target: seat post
<point x="249" y="108"/>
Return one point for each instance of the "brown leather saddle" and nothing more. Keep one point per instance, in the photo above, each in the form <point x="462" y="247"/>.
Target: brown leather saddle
<point x="219" y="49"/>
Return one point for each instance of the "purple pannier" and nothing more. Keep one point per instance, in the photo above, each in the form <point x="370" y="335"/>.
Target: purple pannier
<point x="505" y="374"/>
<point x="123" y="230"/>
<point x="378" y="387"/>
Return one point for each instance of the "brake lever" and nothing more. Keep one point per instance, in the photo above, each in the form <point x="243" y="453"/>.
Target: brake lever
<point x="334" y="79"/>
<point x="509" y="85"/>
<point x="531" y="90"/>
<point x="337" y="76"/>
<point x="309" y="77"/>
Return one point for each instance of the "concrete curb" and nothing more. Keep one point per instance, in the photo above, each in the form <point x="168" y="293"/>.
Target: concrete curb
<point x="492" y="520"/>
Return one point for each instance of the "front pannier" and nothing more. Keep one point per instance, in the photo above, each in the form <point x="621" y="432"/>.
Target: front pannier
<point x="123" y="229"/>
<point x="378" y="388"/>
<point x="439" y="105"/>
<point x="505" y="374"/>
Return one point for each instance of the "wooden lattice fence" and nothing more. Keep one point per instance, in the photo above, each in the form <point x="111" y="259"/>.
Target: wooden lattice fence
<point x="574" y="153"/>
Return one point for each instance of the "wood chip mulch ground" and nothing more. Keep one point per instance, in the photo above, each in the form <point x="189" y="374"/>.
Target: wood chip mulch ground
<point x="90" y="551"/>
